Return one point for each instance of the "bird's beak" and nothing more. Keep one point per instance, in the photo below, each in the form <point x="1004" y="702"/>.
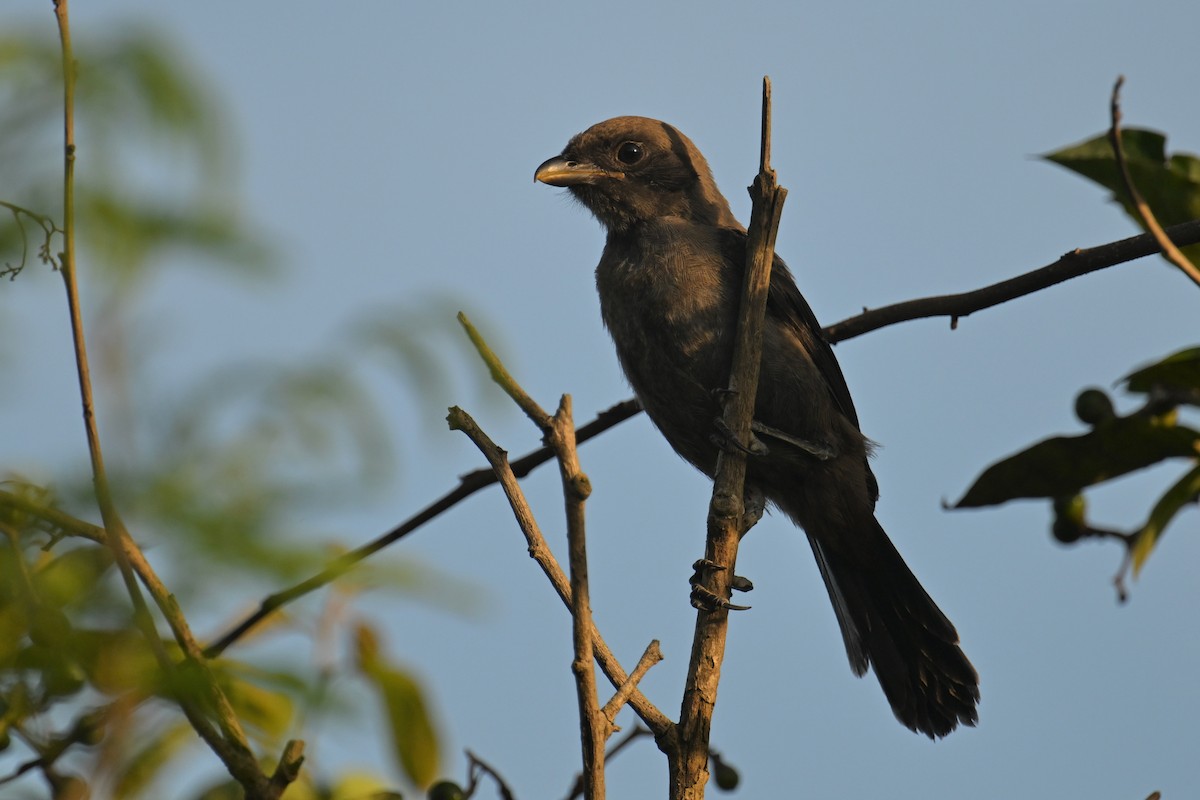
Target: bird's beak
<point x="562" y="171"/>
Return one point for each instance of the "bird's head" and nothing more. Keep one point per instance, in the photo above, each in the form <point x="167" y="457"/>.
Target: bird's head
<point x="628" y="170"/>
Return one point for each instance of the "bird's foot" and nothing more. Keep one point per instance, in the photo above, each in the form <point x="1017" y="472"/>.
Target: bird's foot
<point x="822" y="451"/>
<point x="705" y="598"/>
<point x="725" y="439"/>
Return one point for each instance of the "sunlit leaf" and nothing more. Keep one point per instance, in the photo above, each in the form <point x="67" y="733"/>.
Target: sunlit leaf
<point x="267" y="710"/>
<point x="414" y="741"/>
<point x="1185" y="491"/>
<point x="262" y="698"/>
<point x="70" y="577"/>
<point x="1177" y="372"/>
<point x="1171" y="187"/>
<point x="117" y="661"/>
<point x="1064" y="465"/>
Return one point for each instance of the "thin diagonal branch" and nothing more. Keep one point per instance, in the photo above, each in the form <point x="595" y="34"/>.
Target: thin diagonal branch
<point x="650" y="656"/>
<point x="1149" y="221"/>
<point x="955" y="306"/>
<point x="540" y="552"/>
<point x="468" y="485"/>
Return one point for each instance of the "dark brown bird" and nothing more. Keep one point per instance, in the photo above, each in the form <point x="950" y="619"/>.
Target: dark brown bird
<point x="669" y="281"/>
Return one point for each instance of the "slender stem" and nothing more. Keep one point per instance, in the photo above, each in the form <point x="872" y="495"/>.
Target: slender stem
<point x="1149" y="221"/>
<point x="1074" y="264"/>
<point x="540" y="552"/>
<point x="108" y="512"/>
<point x="595" y="728"/>
<point x="231" y="744"/>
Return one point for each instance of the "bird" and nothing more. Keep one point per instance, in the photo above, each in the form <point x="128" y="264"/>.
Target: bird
<point x="669" y="281"/>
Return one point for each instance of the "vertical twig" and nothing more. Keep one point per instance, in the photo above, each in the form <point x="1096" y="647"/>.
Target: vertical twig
<point x="595" y="728"/>
<point x="596" y="724"/>
<point x="539" y="551"/>
<point x="1149" y="221"/>
<point x="689" y="767"/>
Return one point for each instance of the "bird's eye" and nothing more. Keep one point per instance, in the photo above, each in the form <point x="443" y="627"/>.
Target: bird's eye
<point x="630" y="153"/>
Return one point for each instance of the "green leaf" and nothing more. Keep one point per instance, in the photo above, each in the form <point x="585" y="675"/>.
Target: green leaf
<point x="71" y="577"/>
<point x="1177" y="372"/>
<point x="1171" y="187"/>
<point x="414" y="741"/>
<point x="1064" y="465"/>
<point x="1184" y="492"/>
<point x="265" y="709"/>
<point x="119" y="660"/>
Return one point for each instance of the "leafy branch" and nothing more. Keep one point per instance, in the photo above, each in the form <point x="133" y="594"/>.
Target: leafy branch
<point x="229" y="743"/>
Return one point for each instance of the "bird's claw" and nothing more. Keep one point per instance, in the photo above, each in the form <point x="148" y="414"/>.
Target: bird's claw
<point x="705" y="598"/>
<point x="725" y="439"/>
<point x="822" y="451"/>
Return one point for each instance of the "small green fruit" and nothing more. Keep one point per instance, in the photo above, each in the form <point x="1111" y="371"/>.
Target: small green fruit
<point x="1093" y="407"/>
<point x="1069" y="523"/>
<point x="446" y="790"/>
<point x="726" y="777"/>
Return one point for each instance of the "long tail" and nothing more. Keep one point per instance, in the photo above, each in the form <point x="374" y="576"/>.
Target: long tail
<point x="889" y="622"/>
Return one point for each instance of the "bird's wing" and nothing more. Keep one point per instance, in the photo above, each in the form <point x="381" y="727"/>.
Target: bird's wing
<point x="784" y="302"/>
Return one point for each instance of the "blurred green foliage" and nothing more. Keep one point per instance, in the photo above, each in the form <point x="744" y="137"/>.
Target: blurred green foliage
<point x="216" y="481"/>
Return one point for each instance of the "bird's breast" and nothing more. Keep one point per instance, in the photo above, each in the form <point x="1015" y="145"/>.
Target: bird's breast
<point x="666" y="300"/>
<point x="668" y="291"/>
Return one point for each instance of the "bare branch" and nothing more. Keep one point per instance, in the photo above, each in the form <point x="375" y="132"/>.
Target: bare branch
<point x="626" y="740"/>
<point x="689" y="763"/>
<point x="540" y="552"/>
<point x="480" y="767"/>
<point x="1072" y="265"/>
<point x="503" y="379"/>
<point x="650" y="656"/>
<point x="595" y="727"/>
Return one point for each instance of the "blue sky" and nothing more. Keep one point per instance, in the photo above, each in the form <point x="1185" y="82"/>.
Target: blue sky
<point x="390" y="147"/>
